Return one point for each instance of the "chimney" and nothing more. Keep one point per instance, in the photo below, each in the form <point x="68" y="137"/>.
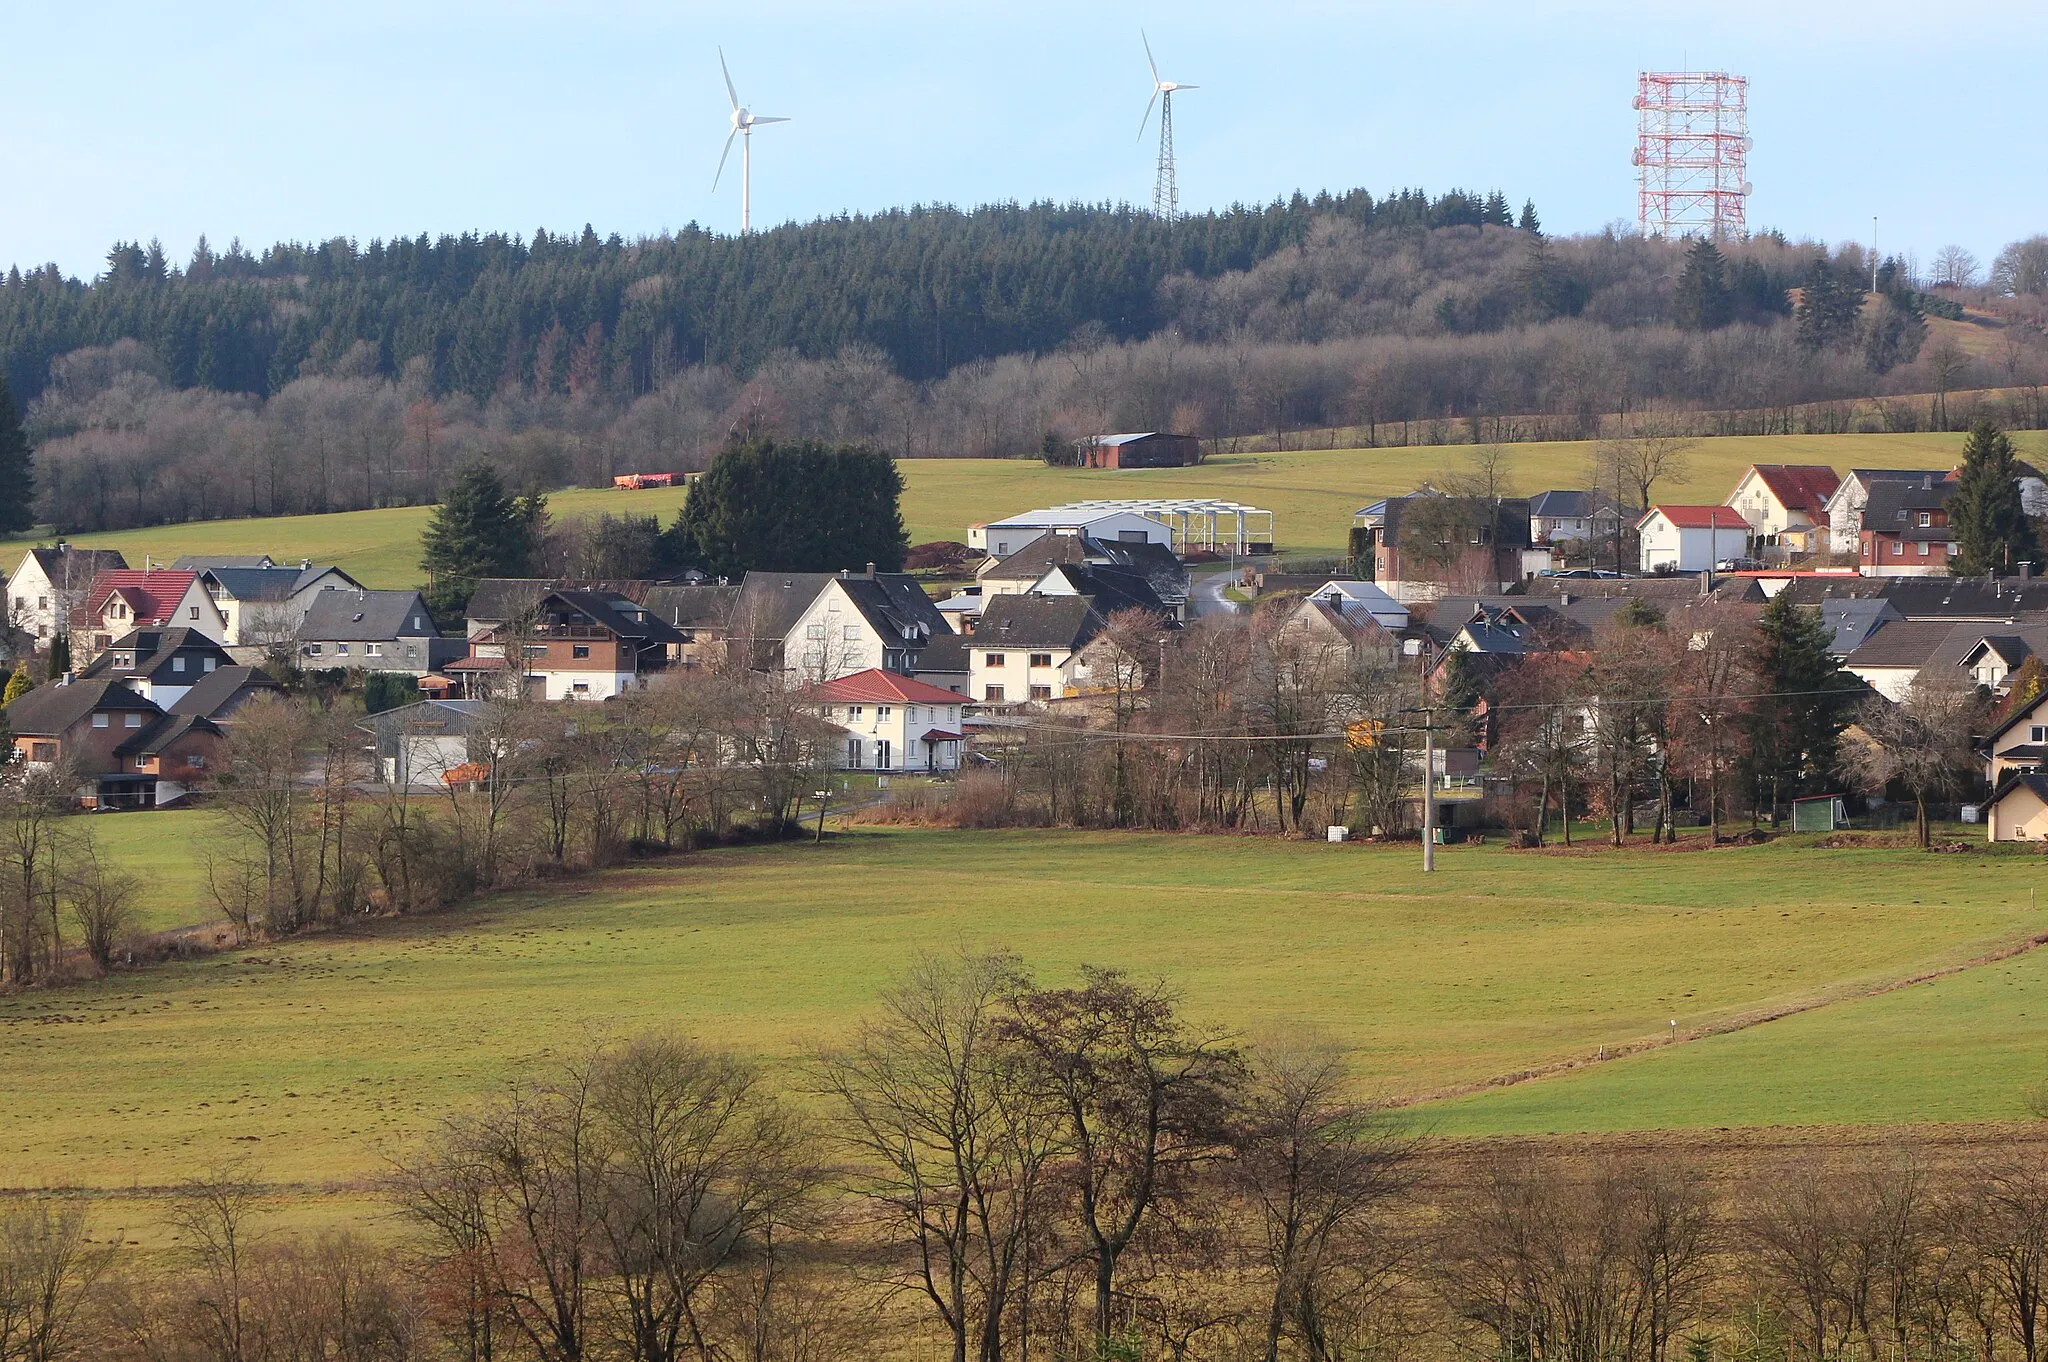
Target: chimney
<point x="305" y="563"/>
<point x="1564" y="598"/>
<point x="1927" y="482"/>
<point x="69" y="677"/>
<point x="871" y="572"/>
<point x="2026" y="571"/>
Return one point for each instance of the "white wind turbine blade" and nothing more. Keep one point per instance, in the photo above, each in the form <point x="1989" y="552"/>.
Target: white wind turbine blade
<point x="721" y="159"/>
<point x="1148" y="57"/>
<point x="730" y="93"/>
<point x="1178" y="87"/>
<point x="1148" y="113"/>
<point x="757" y="118"/>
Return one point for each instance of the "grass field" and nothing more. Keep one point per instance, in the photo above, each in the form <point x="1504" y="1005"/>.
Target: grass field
<point x="319" y="1054"/>
<point x="1312" y="494"/>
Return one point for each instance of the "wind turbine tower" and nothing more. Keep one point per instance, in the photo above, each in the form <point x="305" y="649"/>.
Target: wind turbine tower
<point x="1165" y="192"/>
<point x="744" y="121"/>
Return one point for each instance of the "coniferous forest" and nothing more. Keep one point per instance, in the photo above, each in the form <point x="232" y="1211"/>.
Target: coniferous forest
<point x="312" y="377"/>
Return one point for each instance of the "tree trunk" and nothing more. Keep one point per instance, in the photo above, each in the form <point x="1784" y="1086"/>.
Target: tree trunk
<point x="1920" y="828"/>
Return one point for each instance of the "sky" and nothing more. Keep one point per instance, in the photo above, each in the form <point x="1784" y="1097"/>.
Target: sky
<point x="283" y="120"/>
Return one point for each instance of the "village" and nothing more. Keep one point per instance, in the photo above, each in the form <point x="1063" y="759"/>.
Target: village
<point x="1494" y="624"/>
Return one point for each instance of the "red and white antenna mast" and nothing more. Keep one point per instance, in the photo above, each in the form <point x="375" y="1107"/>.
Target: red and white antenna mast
<point x="1692" y="153"/>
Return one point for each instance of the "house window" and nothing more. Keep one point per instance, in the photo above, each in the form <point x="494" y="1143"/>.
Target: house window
<point x="197" y="761"/>
<point x="412" y="652"/>
<point x="374" y="649"/>
<point x="1003" y="546"/>
<point x="341" y="650"/>
<point x="177" y="664"/>
<point x="814" y="631"/>
<point x="992" y="659"/>
<point x="851" y="633"/>
<point x="1926" y="519"/>
<point x="579" y="650"/>
<point x="131" y="720"/>
<point x="1041" y="692"/>
<point x="881" y="711"/>
<point x="192" y="612"/>
<point x="42" y="602"/>
<point x="1898" y="549"/>
<point x="211" y="663"/>
<point x="579" y="688"/>
<point x="314" y="649"/>
<point x="42" y="751"/>
<point x="2038" y="733"/>
<point x="536" y="650"/>
<point x="882" y="754"/>
<point x="415" y="622"/>
<point x="1923" y="548"/>
<point x="992" y="694"/>
<point x="853" y="711"/>
<point x="99" y="721"/>
<point x="853" y="753"/>
<point x="1041" y="659"/>
<point x="952" y="714"/>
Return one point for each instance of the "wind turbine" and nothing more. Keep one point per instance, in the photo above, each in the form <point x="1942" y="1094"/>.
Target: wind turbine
<point x="1165" y="192"/>
<point x="744" y="122"/>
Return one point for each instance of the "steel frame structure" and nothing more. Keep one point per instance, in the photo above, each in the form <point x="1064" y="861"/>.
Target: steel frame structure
<point x="1692" y="151"/>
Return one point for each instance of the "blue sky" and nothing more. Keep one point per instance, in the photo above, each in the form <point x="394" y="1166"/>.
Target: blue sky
<point x="289" y="120"/>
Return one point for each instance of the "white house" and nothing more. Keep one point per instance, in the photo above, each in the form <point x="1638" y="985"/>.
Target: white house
<point x="264" y="606"/>
<point x="1690" y="538"/>
<point x="1028" y="648"/>
<point x="1563" y="514"/>
<point x="891" y="722"/>
<point x="49" y="582"/>
<point x="1001" y="538"/>
<point x="1362" y="598"/>
<point x="814" y="626"/>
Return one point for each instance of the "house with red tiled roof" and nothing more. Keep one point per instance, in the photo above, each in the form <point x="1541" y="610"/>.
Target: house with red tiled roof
<point x="1691" y="538"/>
<point x="1785" y="504"/>
<point x="121" y="601"/>
<point x="890" y="722"/>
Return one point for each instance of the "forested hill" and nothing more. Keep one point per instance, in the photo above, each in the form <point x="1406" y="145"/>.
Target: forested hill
<point x="931" y="288"/>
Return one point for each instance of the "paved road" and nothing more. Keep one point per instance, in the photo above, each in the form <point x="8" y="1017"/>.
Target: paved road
<point x="1205" y="594"/>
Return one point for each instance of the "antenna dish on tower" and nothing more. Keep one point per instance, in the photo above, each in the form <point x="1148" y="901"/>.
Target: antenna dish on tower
<point x="744" y="121"/>
<point x="1165" y="188"/>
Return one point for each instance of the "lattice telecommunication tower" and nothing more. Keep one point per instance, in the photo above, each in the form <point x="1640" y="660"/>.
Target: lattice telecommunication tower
<point x="1692" y="153"/>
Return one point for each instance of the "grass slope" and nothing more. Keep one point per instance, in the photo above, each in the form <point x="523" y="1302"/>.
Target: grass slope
<point x="166" y="852"/>
<point x="1313" y="495"/>
<point x="317" y="1053"/>
<point x="1967" y="1047"/>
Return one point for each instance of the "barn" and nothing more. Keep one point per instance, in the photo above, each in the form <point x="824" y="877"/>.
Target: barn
<point x="1144" y="449"/>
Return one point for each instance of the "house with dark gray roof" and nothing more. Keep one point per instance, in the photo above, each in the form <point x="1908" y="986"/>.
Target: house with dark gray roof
<point x="1164" y="575"/>
<point x="379" y="631"/>
<point x="124" y="750"/>
<point x="263" y="604"/>
<point x="1029" y="648"/>
<point x="576" y="645"/>
<point x="221" y="693"/>
<point x="161" y="664"/>
<point x="816" y="626"/>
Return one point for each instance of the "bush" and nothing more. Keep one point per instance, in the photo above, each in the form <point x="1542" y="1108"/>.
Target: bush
<point x="943" y="555"/>
<point x="388" y="690"/>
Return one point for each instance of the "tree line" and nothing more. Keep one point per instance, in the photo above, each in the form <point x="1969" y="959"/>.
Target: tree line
<point x="988" y="1166"/>
<point x="1425" y="323"/>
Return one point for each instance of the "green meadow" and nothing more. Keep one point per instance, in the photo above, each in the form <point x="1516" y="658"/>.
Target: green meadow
<point x="318" y="1057"/>
<point x="1312" y="494"/>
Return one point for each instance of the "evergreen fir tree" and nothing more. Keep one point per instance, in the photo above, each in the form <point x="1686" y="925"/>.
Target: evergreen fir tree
<point x="1986" y="515"/>
<point x="1530" y="222"/>
<point x="18" y="685"/>
<point x="800" y="507"/>
<point x="17" y="469"/>
<point x="1703" y="301"/>
<point x="1829" y="307"/>
<point x="60" y="655"/>
<point x="1796" y="725"/>
<point x="479" y="530"/>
